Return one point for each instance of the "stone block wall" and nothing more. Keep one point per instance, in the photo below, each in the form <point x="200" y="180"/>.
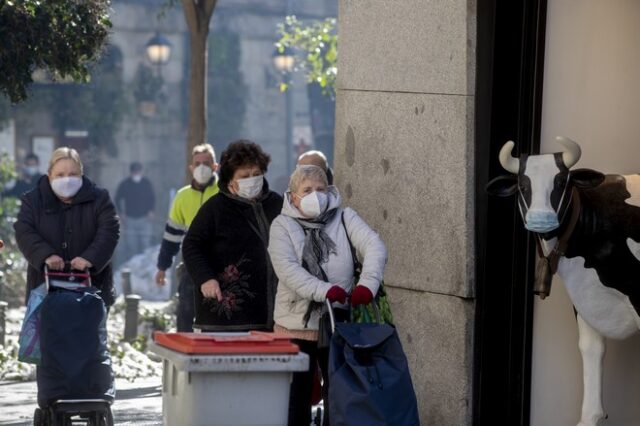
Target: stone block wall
<point x="404" y="161"/>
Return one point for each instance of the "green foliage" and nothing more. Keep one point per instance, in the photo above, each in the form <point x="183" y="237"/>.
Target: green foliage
<point x="12" y="264"/>
<point x="315" y="45"/>
<point x="10" y="367"/>
<point x="61" y="36"/>
<point x="157" y="319"/>
<point x="226" y="89"/>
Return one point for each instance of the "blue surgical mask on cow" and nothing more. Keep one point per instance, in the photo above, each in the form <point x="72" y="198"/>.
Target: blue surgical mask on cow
<point x="541" y="183"/>
<point x="543" y="203"/>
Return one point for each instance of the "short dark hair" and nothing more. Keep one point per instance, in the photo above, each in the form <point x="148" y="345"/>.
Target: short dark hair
<point x="136" y="166"/>
<point x="31" y="156"/>
<point x="238" y="154"/>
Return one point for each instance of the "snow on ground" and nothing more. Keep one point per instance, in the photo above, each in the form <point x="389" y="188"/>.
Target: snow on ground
<point x="129" y="360"/>
<point x="143" y="270"/>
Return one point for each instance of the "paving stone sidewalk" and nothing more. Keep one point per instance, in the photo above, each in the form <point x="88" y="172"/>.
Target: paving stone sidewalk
<point x="137" y="403"/>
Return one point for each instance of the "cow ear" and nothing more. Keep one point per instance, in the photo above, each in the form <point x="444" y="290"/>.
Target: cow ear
<point x="503" y="186"/>
<point x="586" y="178"/>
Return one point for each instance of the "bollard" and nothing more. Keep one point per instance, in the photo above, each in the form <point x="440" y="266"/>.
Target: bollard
<point x="126" y="281"/>
<point x="174" y="281"/>
<point x="131" y="317"/>
<point x="3" y="322"/>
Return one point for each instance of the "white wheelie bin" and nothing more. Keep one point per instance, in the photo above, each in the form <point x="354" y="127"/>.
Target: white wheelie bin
<point x="220" y="379"/>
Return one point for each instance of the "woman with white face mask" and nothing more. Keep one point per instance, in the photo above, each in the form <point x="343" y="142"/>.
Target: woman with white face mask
<point x="65" y="222"/>
<point x="311" y="254"/>
<point x="225" y="249"/>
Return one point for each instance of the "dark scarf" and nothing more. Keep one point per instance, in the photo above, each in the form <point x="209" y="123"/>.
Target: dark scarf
<point x="316" y="250"/>
<point x="317" y="244"/>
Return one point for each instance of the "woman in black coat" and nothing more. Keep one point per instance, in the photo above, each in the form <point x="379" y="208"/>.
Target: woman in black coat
<point x="225" y="249"/>
<point x="67" y="219"/>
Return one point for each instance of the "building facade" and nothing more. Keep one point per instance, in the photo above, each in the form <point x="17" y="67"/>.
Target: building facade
<point x="428" y="92"/>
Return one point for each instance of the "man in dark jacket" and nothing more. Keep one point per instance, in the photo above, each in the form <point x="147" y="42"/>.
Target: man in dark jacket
<point x="30" y="174"/>
<point x="135" y="201"/>
<point x="86" y="227"/>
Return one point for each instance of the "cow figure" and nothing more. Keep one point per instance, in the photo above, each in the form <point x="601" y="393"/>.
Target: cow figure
<point x="598" y="218"/>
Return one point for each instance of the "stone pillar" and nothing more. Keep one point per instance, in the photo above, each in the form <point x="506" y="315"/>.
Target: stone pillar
<point x="131" y="317"/>
<point x="404" y="161"/>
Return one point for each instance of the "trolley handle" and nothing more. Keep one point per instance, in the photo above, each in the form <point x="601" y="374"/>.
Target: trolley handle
<point x="332" y="318"/>
<point x="85" y="275"/>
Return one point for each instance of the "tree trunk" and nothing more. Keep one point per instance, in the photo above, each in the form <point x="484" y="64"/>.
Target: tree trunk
<point x="197" y="89"/>
<point x="197" y="14"/>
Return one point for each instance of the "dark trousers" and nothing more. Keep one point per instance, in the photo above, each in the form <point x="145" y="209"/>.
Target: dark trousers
<point x="186" y="305"/>
<point x="302" y="385"/>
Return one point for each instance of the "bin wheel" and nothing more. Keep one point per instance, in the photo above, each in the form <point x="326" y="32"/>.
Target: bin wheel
<point x="317" y="419"/>
<point x="104" y="419"/>
<point x="59" y="419"/>
<point x="109" y="417"/>
<point x="38" y="418"/>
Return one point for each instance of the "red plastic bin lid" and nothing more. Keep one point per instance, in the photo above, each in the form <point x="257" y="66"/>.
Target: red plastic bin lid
<point x="253" y="342"/>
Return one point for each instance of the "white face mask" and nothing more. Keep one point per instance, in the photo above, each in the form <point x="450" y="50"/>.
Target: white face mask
<point x="314" y="204"/>
<point x="202" y="174"/>
<point x="250" y="188"/>
<point x="66" y="187"/>
<point x="137" y="178"/>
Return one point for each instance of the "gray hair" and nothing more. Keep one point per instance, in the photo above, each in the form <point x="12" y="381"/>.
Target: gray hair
<point x="302" y="173"/>
<point x="314" y="158"/>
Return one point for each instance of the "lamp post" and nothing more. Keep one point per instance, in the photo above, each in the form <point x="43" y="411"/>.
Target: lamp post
<point x="283" y="60"/>
<point x="158" y="49"/>
<point x="158" y="52"/>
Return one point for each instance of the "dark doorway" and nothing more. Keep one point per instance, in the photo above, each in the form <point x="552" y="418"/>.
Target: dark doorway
<point x="510" y="55"/>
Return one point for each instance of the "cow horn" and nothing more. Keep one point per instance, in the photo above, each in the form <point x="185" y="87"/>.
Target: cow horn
<point x="572" y="152"/>
<point x="508" y="161"/>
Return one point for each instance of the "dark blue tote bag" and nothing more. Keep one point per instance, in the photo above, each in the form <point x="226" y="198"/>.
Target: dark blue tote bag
<point x="369" y="380"/>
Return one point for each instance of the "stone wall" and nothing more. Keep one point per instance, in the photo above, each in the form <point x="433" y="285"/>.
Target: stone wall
<point x="404" y="161"/>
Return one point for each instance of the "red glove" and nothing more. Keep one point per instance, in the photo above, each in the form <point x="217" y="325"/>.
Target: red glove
<point x="361" y="295"/>
<point x="336" y="294"/>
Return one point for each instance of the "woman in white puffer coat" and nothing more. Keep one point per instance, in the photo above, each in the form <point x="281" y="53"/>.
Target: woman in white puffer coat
<point x="312" y="258"/>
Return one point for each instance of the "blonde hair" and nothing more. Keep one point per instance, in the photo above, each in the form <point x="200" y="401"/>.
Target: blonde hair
<point x="309" y="172"/>
<point x="204" y="148"/>
<point x="63" y="153"/>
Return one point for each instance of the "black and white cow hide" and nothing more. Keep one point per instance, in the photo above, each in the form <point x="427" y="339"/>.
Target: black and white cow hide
<point x="601" y="265"/>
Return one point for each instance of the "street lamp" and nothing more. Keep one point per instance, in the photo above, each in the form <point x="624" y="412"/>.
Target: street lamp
<point x="158" y="49"/>
<point x="283" y="60"/>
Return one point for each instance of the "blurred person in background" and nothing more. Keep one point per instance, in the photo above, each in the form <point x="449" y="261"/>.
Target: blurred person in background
<point x="186" y="204"/>
<point x="29" y="176"/>
<point x="225" y="249"/>
<point x="135" y="202"/>
<point x="316" y="158"/>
